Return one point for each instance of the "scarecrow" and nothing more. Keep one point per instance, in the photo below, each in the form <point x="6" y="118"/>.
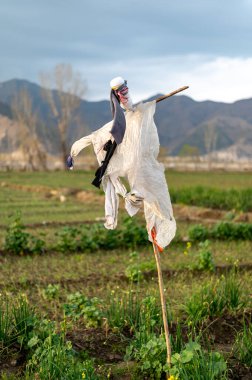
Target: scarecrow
<point x="128" y="147"/>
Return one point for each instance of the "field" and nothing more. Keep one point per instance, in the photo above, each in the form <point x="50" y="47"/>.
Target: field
<point x="80" y="302"/>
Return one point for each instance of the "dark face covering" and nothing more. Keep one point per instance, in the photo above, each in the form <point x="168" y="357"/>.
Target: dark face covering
<point x="117" y="131"/>
<point x="119" y="123"/>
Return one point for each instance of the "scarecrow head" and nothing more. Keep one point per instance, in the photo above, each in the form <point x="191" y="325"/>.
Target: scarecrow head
<point x="119" y="88"/>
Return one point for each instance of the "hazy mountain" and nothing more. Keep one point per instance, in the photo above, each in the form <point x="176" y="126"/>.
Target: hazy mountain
<point x="206" y="126"/>
<point x="5" y="110"/>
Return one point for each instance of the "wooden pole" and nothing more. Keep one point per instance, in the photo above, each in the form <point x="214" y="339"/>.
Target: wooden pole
<point x="163" y="303"/>
<point x="171" y="93"/>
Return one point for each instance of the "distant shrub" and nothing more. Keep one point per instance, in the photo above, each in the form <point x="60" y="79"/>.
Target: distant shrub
<point x="232" y="231"/>
<point x="198" y="232"/>
<point x="19" y="242"/>
<point x="221" y="231"/>
<point x="96" y="236"/>
<point x="133" y="234"/>
<point x="214" y="198"/>
<point x="67" y="239"/>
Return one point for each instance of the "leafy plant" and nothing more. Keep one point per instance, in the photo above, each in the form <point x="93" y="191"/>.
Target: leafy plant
<point x="204" y="260"/>
<point x="232" y="231"/>
<point x="51" y="291"/>
<point x="151" y="357"/>
<point x="80" y="306"/>
<point x="17" y="240"/>
<point x="67" y="239"/>
<point x="54" y="359"/>
<point x="198" y="232"/>
<point x="133" y="234"/>
<point x="49" y="355"/>
<point x="192" y="363"/>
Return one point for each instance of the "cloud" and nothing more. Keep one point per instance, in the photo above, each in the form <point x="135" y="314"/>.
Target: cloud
<point x="221" y="79"/>
<point x="158" y="45"/>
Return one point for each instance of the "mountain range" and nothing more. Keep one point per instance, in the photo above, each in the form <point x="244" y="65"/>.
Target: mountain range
<point x="185" y="126"/>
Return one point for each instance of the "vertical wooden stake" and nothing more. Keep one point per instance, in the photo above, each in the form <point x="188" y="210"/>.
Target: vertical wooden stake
<point x="163" y="303"/>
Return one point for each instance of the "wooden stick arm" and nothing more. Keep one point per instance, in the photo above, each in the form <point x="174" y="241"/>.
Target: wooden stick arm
<point x="171" y="94"/>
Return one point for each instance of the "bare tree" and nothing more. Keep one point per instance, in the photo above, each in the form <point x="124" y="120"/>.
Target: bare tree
<point x="32" y="149"/>
<point x="63" y="102"/>
<point x="210" y="139"/>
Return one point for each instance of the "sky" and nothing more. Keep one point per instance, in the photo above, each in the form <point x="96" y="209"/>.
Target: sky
<point x="157" y="45"/>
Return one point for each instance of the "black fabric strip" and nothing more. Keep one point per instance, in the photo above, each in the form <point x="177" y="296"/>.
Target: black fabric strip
<point x="110" y="148"/>
<point x="119" y="122"/>
<point x="117" y="131"/>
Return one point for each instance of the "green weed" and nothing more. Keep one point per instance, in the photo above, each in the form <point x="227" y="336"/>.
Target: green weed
<point x="127" y="310"/>
<point x="16" y="323"/>
<point x="7" y="334"/>
<point x="123" y="310"/>
<point x="243" y="345"/>
<point x="136" y="269"/>
<point x="24" y="320"/>
<point x="214" y="299"/>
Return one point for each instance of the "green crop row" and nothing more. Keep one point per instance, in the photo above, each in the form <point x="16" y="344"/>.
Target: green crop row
<point x="214" y="198"/>
<point x="221" y="231"/>
<point x="71" y="239"/>
<point x="95" y="237"/>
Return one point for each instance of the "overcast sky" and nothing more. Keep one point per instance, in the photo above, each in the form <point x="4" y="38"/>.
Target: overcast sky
<point x="157" y="45"/>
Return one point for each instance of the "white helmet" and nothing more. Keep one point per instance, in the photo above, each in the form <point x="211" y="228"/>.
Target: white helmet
<point x="116" y="82"/>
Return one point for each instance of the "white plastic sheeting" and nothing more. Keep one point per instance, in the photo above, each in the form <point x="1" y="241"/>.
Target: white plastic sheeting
<point x="136" y="160"/>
